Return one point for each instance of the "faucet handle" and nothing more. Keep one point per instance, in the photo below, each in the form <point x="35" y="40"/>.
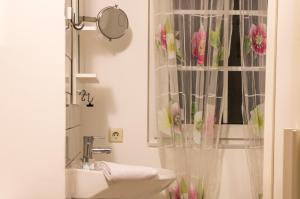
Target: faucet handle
<point x="106" y="150"/>
<point x="89" y="149"/>
<point x="99" y="138"/>
<point x="91" y="138"/>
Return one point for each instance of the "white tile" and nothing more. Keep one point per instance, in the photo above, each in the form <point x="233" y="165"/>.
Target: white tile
<point x="74" y="142"/>
<point x="72" y="116"/>
<point x="68" y="109"/>
<point x="75" y="115"/>
<point x="68" y="99"/>
<point x="68" y="74"/>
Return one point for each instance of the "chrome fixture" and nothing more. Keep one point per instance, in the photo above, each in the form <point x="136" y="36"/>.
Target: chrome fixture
<point x="89" y="149"/>
<point x="111" y="21"/>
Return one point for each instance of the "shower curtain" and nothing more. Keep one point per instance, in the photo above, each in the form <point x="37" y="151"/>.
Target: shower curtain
<point x="192" y="50"/>
<point x="253" y="34"/>
<point x="192" y="40"/>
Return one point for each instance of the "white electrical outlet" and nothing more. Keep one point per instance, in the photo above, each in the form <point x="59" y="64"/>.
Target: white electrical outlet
<point x="116" y="135"/>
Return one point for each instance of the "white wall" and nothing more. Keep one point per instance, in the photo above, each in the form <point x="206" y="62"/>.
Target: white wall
<point x="121" y="96"/>
<point x="287" y="105"/>
<point x="32" y="100"/>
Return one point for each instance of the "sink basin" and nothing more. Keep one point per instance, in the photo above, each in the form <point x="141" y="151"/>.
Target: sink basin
<point x="82" y="183"/>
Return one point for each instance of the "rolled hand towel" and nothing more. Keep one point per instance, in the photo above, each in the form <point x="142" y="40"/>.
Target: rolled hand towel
<point x="117" y="172"/>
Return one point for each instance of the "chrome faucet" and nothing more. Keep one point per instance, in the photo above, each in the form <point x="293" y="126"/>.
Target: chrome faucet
<point x="89" y="149"/>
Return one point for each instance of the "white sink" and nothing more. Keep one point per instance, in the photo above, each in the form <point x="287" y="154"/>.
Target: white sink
<point x="82" y="183"/>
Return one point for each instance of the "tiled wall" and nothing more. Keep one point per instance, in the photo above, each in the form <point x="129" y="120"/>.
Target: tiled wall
<point x="73" y="135"/>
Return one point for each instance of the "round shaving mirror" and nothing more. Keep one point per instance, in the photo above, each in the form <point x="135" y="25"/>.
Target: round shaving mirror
<point x="112" y="22"/>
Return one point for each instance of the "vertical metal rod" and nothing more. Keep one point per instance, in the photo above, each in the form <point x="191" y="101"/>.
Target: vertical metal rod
<point x="77" y="13"/>
<point x="75" y="40"/>
<point x="77" y="20"/>
<point x="226" y="53"/>
<point x="78" y="51"/>
<point x="72" y="58"/>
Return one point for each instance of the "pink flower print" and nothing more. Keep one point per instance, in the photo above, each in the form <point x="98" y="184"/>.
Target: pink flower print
<point x="163" y="37"/>
<point x="176" y="117"/>
<point x="175" y="192"/>
<point x="198" y="45"/>
<point x="258" y="37"/>
<point x="192" y="192"/>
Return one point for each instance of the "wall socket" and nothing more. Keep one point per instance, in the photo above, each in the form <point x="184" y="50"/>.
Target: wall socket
<point x="115" y="135"/>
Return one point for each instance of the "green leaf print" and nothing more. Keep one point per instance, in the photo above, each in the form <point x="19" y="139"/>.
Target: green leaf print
<point x="247" y="45"/>
<point x="214" y="38"/>
<point x="168" y="26"/>
<point x="215" y="61"/>
<point x="221" y="54"/>
<point x="183" y="186"/>
<point x="200" y="190"/>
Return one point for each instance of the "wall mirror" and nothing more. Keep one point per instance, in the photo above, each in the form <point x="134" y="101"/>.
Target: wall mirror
<point x="112" y="22"/>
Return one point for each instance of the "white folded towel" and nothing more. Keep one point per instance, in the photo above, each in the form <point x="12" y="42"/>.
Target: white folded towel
<point x="117" y="172"/>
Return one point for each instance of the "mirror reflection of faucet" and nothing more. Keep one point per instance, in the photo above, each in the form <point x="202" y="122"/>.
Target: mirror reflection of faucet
<point x="83" y="93"/>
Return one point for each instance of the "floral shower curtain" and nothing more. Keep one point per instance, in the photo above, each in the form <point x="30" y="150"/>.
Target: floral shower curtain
<point x="192" y="50"/>
<point x="192" y="39"/>
<point x="253" y="34"/>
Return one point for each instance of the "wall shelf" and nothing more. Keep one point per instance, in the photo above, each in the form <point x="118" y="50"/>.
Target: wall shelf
<point x="90" y="78"/>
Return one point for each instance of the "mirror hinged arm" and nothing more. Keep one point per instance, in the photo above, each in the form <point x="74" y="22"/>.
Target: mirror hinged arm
<point x="82" y="19"/>
<point x="77" y="26"/>
<point x="88" y="19"/>
<point x="77" y="22"/>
